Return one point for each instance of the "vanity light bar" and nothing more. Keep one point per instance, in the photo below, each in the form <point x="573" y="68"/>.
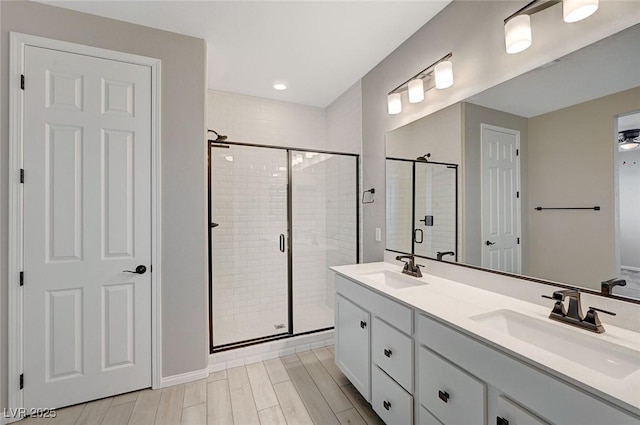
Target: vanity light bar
<point x="517" y="26"/>
<point x="439" y="74"/>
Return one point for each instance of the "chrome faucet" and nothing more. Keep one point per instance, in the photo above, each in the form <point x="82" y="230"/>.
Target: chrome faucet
<point x="573" y="314"/>
<point x="606" y="287"/>
<point x="410" y="267"/>
<point x="441" y="254"/>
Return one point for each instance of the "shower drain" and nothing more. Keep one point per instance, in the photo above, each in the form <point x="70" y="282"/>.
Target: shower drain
<point x="279" y="326"/>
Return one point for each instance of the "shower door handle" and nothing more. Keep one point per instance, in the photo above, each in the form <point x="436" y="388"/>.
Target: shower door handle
<point x="415" y="235"/>
<point x="281" y="242"/>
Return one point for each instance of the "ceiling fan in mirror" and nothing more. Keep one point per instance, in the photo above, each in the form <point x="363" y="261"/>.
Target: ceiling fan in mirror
<point x="629" y="139"/>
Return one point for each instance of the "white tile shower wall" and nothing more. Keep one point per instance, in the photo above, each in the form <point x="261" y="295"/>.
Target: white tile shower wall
<point x="344" y="122"/>
<point x="309" y="234"/>
<point x="266" y="122"/>
<point x="399" y="194"/>
<point x="341" y="226"/>
<point x="344" y="133"/>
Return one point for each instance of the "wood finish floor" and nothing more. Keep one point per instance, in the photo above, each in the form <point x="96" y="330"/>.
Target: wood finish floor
<point x="301" y="389"/>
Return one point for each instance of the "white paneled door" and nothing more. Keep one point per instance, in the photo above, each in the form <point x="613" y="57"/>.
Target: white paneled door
<point x="500" y="199"/>
<point x="87" y="219"/>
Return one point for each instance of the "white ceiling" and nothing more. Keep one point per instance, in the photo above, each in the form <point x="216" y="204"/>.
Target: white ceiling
<point x="606" y="67"/>
<point x="319" y="48"/>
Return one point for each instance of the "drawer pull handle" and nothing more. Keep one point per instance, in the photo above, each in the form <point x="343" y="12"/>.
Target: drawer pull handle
<point x="502" y="421"/>
<point x="387" y="352"/>
<point x="443" y="395"/>
<point x="386" y="405"/>
<point x="363" y="324"/>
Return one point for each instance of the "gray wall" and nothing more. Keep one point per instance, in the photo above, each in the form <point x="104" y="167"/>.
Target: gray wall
<point x="571" y="152"/>
<point x="184" y="272"/>
<point x="475" y="115"/>
<point x="474" y="32"/>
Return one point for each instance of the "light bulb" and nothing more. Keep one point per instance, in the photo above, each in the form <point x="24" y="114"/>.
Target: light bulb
<point x="517" y="33"/>
<point x="394" y="103"/>
<point x="444" y="75"/>
<point x="577" y="10"/>
<point x="416" y="90"/>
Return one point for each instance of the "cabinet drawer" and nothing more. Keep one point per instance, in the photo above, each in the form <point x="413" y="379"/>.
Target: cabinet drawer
<point x="392" y="351"/>
<point x="390" y="311"/>
<point x="392" y="403"/>
<point x="426" y="418"/>
<point x="509" y="413"/>
<point x="451" y="394"/>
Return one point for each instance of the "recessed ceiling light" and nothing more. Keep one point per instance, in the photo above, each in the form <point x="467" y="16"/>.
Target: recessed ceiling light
<point x="280" y="86"/>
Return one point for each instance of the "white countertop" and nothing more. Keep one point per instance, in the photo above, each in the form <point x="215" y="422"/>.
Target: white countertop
<point x="456" y="303"/>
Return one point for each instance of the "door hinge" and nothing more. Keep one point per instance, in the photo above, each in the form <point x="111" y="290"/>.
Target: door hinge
<point x="22" y="175"/>
<point x="517" y="152"/>
<point x="518" y="241"/>
<point x="518" y="194"/>
<point x="21" y="380"/>
<point x="21" y="278"/>
<point x="22" y="81"/>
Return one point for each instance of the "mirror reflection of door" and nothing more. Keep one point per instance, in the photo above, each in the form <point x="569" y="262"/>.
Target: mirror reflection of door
<point x="500" y="199"/>
<point x="629" y="202"/>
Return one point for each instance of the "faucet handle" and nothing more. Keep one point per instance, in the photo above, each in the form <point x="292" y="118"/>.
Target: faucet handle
<point x="602" y="311"/>
<point x="558" y="306"/>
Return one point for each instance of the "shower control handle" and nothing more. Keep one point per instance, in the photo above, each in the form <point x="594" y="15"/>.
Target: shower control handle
<point x="281" y="242"/>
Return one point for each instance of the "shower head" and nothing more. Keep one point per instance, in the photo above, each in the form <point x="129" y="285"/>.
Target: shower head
<point x="219" y="137"/>
<point x="424" y="158"/>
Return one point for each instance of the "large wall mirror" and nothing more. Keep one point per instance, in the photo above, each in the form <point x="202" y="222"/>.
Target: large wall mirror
<point x="549" y="173"/>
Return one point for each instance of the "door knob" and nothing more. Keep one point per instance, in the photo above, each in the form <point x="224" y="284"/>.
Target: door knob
<point x="139" y="270"/>
<point x="489" y="243"/>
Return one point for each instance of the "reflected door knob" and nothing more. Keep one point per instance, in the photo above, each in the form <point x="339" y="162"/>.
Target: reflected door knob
<point x="139" y="270"/>
<point x="489" y="243"/>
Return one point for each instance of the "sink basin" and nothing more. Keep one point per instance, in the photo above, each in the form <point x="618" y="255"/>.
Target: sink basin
<point x="599" y="355"/>
<point x="394" y="280"/>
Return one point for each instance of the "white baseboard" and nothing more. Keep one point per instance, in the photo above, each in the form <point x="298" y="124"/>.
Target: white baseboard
<point x="183" y="378"/>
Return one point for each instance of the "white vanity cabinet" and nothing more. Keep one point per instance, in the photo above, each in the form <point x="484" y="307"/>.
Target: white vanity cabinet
<point x="389" y="379"/>
<point x="416" y="368"/>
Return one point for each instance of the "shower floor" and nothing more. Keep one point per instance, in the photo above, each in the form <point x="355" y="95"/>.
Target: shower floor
<point x="308" y="317"/>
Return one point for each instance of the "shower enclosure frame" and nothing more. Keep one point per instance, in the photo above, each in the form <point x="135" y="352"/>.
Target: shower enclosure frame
<point x="225" y="144"/>
<point x="413" y="202"/>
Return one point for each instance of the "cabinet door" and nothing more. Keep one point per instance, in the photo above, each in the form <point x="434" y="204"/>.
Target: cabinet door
<point x="352" y="345"/>
<point x="509" y="413"/>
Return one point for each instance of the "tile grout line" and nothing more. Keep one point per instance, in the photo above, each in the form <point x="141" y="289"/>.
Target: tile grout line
<point x="316" y="385"/>
<point x="233" y="419"/>
<point x="338" y="385"/>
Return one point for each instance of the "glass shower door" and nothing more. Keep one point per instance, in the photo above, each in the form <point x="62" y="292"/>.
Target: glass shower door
<point x="435" y="207"/>
<point x="249" y="243"/>
<point x="324" y="221"/>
